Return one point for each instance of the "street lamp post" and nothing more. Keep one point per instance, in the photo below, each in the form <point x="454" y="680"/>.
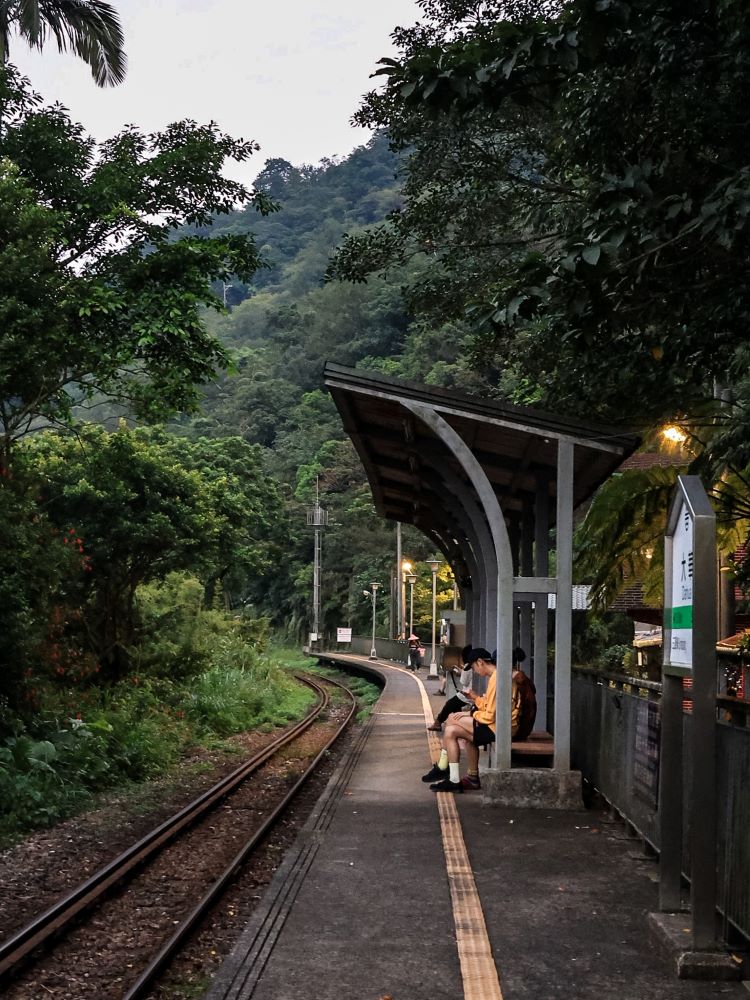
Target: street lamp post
<point x="433" y="564"/>
<point x="411" y="579"/>
<point x="374" y="589"/>
<point x="405" y="570"/>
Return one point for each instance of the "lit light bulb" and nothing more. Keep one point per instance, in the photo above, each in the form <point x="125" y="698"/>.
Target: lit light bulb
<point x="674" y="434"/>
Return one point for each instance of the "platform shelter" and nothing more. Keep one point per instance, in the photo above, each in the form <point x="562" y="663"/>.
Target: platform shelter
<point x="486" y="481"/>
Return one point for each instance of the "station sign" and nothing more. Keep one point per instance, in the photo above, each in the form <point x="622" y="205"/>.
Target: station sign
<point x="687" y="780"/>
<point x="343" y="635"/>
<point x="678" y="611"/>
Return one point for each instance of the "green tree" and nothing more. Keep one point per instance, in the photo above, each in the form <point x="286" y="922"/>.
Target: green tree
<point x="88" y="28"/>
<point x="610" y="273"/>
<point x="251" y="525"/>
<point x="139" y="514"/>
<point x="39" y="569"/>
<point x="122" y="290"/>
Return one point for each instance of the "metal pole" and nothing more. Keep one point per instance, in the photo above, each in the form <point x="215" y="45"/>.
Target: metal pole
<point x="403" y="598"/>
<point x="670" y="791"/>
<point x="690" y="648"/>
<point x="373" y="651"/>
<point x="433" y="564"/>
<point x="703" y="732"/>
<point x="541" y="604"/>
<point x="564" y="610"/>
<point x="399" y="573"/>
<point x="316" y="584"/>
<point x="412" y="581"/>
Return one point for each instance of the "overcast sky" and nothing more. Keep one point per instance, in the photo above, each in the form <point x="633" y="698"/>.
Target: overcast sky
<point x="287" y="73"/>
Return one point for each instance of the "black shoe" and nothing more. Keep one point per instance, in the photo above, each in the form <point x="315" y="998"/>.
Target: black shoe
<point x="446" y="785"/>
<point x="435" y="773"/>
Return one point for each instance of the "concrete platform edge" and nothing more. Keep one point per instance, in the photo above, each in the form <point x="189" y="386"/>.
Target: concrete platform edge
<point x="236" y="977"/>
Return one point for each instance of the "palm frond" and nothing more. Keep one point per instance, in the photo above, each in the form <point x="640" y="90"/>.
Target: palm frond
<point x="88" y="28"/>
<point x="619" y="543"/>
<point x="91" y="29"/>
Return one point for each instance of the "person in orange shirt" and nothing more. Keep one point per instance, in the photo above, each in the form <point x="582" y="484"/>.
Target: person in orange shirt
<point x="477" y="728"/>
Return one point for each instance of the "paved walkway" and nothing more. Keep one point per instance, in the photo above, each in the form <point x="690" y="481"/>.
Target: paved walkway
<point x="395" y="892"/>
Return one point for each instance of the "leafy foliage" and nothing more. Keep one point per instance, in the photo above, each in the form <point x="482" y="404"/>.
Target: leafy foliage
<point x="117" y="294"/>
<point x="89" y="28"/>
<point x="147" y="505"/>
<point x="84" y="742"/>
<point x="620" y="541"/>
<point x="605" y="264"/>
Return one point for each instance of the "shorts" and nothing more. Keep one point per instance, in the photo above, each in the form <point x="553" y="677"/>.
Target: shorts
<point x="483" y="734"/>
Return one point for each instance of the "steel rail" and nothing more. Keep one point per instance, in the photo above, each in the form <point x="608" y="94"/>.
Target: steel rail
<point x="142" y="985"/>
<point x="48" y="923"/>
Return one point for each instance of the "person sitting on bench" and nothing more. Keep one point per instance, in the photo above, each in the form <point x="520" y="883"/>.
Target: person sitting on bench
<point x="479" y="729"/>
<point x="476" y="728"/>
<point x="523" y="712"/>
<point x="460" y="701"/>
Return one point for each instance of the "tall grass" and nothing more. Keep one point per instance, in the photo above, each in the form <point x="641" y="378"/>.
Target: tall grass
<point x="84" y="741"/>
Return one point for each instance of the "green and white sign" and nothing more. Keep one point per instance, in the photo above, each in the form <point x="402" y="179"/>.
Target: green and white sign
<point x="678" y="615"/>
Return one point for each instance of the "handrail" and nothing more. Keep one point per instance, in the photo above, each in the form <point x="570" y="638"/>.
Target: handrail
<point x="640" y="682"/>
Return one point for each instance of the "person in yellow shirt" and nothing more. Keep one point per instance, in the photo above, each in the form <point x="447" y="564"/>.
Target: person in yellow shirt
<point x="477" y="728"/>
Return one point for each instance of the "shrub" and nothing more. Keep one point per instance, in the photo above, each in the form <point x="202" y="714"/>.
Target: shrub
<point x="243" y="690"/>
<point x="614" y="658"/>
<point x="85" y="741"/>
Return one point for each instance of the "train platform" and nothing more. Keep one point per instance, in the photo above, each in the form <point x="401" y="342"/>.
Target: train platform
<point x="393" y="891"/>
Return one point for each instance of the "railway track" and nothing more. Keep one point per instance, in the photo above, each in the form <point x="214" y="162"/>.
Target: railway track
<point x="57" y="920"/>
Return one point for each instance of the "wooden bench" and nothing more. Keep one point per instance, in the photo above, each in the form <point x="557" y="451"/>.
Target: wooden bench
<point x="536" y="744"/>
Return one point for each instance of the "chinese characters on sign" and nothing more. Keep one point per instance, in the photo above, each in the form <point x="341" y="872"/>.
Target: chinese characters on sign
<point x="679" y="617"/>
<point x="646" y="756"/>
<point x="343" y="635"/>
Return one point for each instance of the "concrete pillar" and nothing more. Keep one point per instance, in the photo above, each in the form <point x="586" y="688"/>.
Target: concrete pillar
<point x="564" y="610"/>
<point x="541" y="611"/>
<point x="527" y="569"/>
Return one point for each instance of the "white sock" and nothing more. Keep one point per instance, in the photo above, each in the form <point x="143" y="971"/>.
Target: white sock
<point x="454" y="772"/>
<point x="443" y="760"/>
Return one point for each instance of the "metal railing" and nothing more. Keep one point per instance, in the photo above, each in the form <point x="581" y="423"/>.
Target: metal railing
<point x="616" y="741"/>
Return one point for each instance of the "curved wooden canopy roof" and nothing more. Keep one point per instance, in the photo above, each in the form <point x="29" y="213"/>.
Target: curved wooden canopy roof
<point x="516" y="446"/>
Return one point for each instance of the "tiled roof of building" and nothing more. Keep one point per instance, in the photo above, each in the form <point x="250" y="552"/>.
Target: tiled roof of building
<point x="651" y="459"/>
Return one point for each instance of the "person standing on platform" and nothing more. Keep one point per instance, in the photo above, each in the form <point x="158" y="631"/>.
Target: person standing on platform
<point x="415" y="652"/>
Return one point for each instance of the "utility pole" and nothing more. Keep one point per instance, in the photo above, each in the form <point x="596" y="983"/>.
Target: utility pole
<point x="399" y="593"/>
<point x="317" y="518"/>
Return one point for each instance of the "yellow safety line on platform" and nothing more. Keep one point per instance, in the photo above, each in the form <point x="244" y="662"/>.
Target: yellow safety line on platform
<point x="478" y="970"/>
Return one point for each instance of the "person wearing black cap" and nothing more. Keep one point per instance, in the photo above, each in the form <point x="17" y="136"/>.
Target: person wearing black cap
<point x="477" y="729"/>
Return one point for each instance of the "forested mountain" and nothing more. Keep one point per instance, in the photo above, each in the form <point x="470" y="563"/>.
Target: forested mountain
<point x="281" y="329"/>
<point x="288" y="322"/>
<point x="317" y="204"/>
